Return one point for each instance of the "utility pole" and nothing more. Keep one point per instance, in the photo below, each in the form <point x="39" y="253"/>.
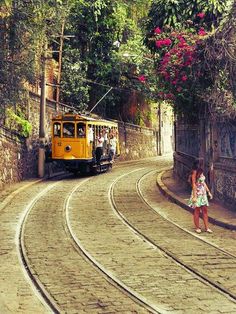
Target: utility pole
<point x="41" y="157"/>
<point x="59" y="66"/>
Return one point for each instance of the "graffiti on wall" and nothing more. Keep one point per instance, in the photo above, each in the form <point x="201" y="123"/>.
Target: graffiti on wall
<point x="225" y="187"/>
<point x="227" y="140"/>
<point x="187" y="141"/>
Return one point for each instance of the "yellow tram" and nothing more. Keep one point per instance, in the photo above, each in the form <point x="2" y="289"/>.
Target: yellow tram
<point x="75" y="142"/>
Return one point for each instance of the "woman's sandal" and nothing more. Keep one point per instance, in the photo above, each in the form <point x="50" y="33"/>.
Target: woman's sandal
<point x="209" y="230"/>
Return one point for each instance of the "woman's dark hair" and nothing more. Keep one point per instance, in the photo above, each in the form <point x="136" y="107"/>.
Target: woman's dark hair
<point x="195" y="165"/>
<point x="198" y="163"/>
<point x="199" y="172"/>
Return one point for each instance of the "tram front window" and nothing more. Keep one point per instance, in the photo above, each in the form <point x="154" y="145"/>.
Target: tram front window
<point x="68" y="129"/>
<point x="81" y="130"/>
<point x="57" y="129"/>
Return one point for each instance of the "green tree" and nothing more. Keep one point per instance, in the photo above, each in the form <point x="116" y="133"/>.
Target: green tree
<point x="92" y="60"/>
<point x="88" y="56"/>
<point x="25" y="26"/>
<point x="104" y="32"/>
<point x="175" y="13"/>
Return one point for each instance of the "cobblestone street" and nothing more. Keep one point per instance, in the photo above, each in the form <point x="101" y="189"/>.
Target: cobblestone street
<point x="110" y="243"/>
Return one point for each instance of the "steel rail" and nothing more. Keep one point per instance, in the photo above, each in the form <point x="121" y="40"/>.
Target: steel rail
<point x="40" y="290"/>
<point x="107" y="274"/>
<point x="174" y="258"/>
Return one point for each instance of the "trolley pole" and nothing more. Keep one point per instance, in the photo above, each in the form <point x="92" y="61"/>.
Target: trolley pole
<point x="41" y="158"/>
<point x="159" y="130"/>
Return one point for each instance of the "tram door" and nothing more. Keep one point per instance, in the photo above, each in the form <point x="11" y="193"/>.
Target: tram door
<point x="81" y="147"/>
<point x="90" y="140"/>
<point x="57" y="149"/>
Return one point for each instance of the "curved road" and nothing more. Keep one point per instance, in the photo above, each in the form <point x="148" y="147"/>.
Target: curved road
<point x="110" y="244"/>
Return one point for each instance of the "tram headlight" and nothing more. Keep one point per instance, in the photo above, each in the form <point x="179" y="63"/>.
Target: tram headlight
<point x="68" y="148"/>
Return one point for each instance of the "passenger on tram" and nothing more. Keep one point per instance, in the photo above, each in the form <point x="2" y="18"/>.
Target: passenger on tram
<point x="90" y="134"/>
<point x="81" y="132"/>
<point x="112" y="147"/>
<point x="99" y="148"/>
<point x="105" y="135"/>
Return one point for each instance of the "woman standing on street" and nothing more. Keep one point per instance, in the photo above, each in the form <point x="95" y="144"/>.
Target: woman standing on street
<point x="199" y="200"/>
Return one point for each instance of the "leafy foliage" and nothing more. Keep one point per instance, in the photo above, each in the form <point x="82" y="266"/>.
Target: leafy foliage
<point x="25" y="26"/>
<point x="175" y="33"/>
<point x="74" y="88"/>
<point x="175" y="13"/>
<point x="218" y="62"/>
<point x="93" y="26"/>
<point x="17" y="122"/>
<point x="105" y="48"/>
<point x="104" y="31"/>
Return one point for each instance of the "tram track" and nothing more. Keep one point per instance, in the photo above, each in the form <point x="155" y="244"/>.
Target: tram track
<point x="146" y="282"/>
<point x="26" y="296"/>
<point x="206" y="279"/>
<point x="93" y="245"/>
<point x="178" y="225"/>
<point x="70" y="253"/>
<point x="40" y="290"/>
<point x="106" y="273"/>
<point x="36" y="285"/>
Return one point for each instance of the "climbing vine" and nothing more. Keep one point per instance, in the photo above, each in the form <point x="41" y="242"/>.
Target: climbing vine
<point x="218" y="56"/>
<point x="176" y="43"/>
<point x="18" y="123"/>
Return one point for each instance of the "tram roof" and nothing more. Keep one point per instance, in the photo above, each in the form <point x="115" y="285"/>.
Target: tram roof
<point x="80" y="117"/>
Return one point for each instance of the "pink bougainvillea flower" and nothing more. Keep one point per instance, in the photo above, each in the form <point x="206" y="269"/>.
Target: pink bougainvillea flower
<point x="167" y="41"/>
<point x="201" y="15"/>
<point x="142" y="78"/>
<point x="157" y="30"/>
<point x="159" y="43"/>
<point x="182" y="39"/>
<point x="202" y="32"/>
<point x="182" y="44"/>
<point x="169" y="96"/>
<point x="166" y="75"/>
<point x="184" y="78"/>
<point x="163" y="42"/>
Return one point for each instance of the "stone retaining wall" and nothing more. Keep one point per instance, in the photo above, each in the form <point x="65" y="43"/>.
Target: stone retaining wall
<point x="19" y="156"/>
<point x="137" y="142"/>
<point x="12" y="154"/>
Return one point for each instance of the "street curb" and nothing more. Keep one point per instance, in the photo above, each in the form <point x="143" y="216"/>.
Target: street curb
<point x="32" y="181"/>
<point x="179" y="201"/>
